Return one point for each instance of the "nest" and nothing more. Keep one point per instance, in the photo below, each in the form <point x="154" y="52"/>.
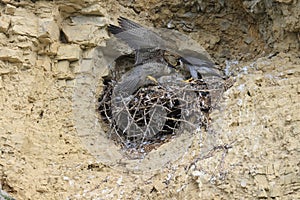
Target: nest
<point x="155" y="112"/>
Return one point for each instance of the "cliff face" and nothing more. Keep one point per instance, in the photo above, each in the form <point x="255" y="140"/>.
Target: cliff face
<point x="254" y="151"/>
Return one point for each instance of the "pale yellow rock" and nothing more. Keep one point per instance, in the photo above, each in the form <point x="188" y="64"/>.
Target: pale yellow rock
<point x="22" y="38"/>
<point x="70" y="83"/>
<point x="63" y="66"/>
<point x="275" y="190"/>
<point x="288" y="178"/>
<point x="159" y="185"/>
<point x="262" y="194"/>
<point x="3" y="39"/>
<point x="298" y="89"/>
<point x="270" y="169"/>
<point x="45" y="10"/>
<point x="74" y="35"/>
<point x="11" y="55"/>
<point x="61" y="83"/>
<point x="146" y="188"/>
<point x="86" y="66"/>
<point x="262" y="181"/>
<point x="30" y="58"/>
<point x="95" y="9"/>
<point x="69" y="52"/>
<point x="91" y="29"/>
<point x="92" y="20"/>
<point x="44" y="62"/>
<point x="51" y="49"/>
<point x="4" y="71"/>
<point x="288" y="118"/>
<point x="48" y="30"/>
<point x="4" y="23"/>
<point x="88" y="34"/>
<point x="74" y="65"/>
<point x="70" y="7"/>
<point x="10" y="9"/>
<point x="25" y="24"/>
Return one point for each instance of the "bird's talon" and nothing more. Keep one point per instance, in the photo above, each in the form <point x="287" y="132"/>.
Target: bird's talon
<point x="152" y="79"/>
<point x="188" y="80"/>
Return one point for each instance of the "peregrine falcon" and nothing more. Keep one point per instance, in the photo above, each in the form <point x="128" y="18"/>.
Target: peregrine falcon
<point x="158" y="56"/>
<point x="149" y="66"/>
<point x="147" y="44"/>
<point x="151" y="46"/>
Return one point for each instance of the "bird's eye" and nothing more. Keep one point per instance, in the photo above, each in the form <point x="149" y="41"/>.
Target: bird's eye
<point x="180" y="62"/>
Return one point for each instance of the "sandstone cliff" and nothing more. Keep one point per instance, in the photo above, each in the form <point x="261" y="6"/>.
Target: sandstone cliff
<point x="46" y="45"/>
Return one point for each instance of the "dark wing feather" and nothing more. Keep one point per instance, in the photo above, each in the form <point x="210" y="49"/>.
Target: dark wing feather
<point x="114" y="29"/>
<point x="145" y="42"/>
<point x="127" y="24"/>
<point x="135" y="35"/>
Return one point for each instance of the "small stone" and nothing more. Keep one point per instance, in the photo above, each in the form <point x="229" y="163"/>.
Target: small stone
<point x="11" y="55"/>
<point x="159" y="186"/>
<point x="63" y="70"/>
<point x="197" y="173"/>
<point x="70" y="83"/>
<point x="119" y="181"/>
<point x="48" y="31"/>
<point x="4" y="23"/>
<point x="96" y="21"/>
<point x="23" y="26"/>
<point x="225" y="25"/>
<point x="68" y="52"/>
<point x="262" y="181"/>
<point x="61" y="83"/>
<point x="243" y="183"/>
<point x="295" y="130"/>
<point x="85" y="66"/>
<point x="276" y="168"/>
<point x="275" y="191"/>
<point x="3" y="39"/>
<point x="4" y="71"/>
<point x="95" y="9"/>
<point x="63" y="66"/>
<point x="10" y="9"/>
<point x="91" y="30"/>
<point x="89" y="35"/>
<point x="44" y="62"/>
<point x="170" y="25"/>
<point x="262" y="194"/>
<point x="288" y="178"/>
<point x="147" y="188"/>
<point x="22" y="38"/>
<point x="288" y="118"/>
<point x="53" y="48"/>
<point x="270" y="169"/>
<point x="29" y="58"/>
<point x="248" y="40"/>
<point x="298" y="87"/>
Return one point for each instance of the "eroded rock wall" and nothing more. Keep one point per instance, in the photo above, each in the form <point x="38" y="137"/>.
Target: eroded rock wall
<point x="42" y="45"/>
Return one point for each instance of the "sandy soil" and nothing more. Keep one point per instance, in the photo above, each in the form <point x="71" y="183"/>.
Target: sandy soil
<point x="47" y="77"/>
